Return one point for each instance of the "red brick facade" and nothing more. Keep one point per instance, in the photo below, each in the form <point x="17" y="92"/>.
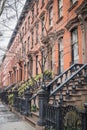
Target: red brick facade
<point x="56" y="28"/>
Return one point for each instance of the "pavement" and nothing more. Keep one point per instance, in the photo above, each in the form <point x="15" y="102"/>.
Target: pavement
<point x="11" y="121"/>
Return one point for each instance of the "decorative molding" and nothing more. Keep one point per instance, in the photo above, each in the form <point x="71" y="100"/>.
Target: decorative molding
<point x="42" y="14"/>
<point x="59" y="20"/>
<point x="14" y="67"/>
<point x="53" y="36"/>
<point x="50" y="29"/>
<point x="82" y="10"/>
<point x="60" y="33"/>
<point x="72" y="23"/>
<point x="73" y="5"/>
<point x="50" y="2"/>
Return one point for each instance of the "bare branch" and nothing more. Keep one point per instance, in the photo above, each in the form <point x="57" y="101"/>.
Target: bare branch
<point x="2" y="4"/>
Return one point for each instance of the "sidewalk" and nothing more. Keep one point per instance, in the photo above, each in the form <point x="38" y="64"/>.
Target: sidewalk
<point x="11" y="121"/>
<point x="21" y="125"/>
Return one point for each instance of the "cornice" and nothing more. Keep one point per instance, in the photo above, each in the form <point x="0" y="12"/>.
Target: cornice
<point x="82" y="10"/>
<point x="60" y="33"/>
<point x="20" y="20"/>
<point x="72" y="23"/>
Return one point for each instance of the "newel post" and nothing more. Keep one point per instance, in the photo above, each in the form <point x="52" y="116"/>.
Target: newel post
<point x="28" y="95"/>
<point x="15" y="95"/>
<point x="43" y="99"/>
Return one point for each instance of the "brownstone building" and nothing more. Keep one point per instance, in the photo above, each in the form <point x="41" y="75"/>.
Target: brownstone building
<point x="49" y="35"/>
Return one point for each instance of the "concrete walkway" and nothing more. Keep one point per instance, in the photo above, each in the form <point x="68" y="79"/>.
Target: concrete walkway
<point x="10" y="121"/>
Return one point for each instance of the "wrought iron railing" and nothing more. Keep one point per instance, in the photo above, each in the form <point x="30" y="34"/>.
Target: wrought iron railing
<point x="82" y="71"/>
<point x="51" y="113"/>
<point x="55" y="111"/>
<point x="51" y="117"/>
<point x="65" y="75"/>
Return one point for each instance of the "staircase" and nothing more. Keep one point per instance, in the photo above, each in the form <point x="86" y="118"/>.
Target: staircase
<point x="66" y="89"/>
<point x="33" y="118"/>
<point x="70" y="87"/>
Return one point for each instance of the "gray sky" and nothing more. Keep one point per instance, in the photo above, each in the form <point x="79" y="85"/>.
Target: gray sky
<point x="8" y="22"/>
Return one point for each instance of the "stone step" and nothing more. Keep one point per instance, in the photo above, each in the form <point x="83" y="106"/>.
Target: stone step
<point x="33" y="119"/>
<point x="35" y="114"/>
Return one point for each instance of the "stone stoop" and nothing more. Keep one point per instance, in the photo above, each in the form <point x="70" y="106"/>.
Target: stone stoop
<point x="78" y="98"/>
<point x="32" y="119"/>
<point x="39" y="127"/>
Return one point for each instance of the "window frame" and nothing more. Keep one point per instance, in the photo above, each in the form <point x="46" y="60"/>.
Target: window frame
<point x="60" y="8"/>
<point x="28" y="43"/>
<point x="60" y="53"/>
<point x="36" y="64"/>
<point x="73" y="2"/>
<point x="32" y="45"/>
<point x="43" y="24"/>
<point x="32" y="13"/>
<point x="37" y="26"/>
<point x="51" y="16"/>
<point x="74" y="32"/>
<point x="28" y="22"/>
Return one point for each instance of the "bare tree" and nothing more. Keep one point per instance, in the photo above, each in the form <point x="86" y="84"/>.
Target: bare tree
<point x="2" y="4"/>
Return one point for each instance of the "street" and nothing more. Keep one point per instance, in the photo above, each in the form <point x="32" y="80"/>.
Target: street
<point x="10" y="121"/>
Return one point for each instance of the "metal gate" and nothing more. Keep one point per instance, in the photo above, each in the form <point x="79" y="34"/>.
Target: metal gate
<point x="72" y="118"/>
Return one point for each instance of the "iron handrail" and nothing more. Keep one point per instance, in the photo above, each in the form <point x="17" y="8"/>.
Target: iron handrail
<point x="55" y="79"/>
<point x="67" y="80"/>
<point x="34" y="96"/>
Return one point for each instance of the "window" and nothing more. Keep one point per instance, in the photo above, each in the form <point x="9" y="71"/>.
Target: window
<point x="49" y="51"/>
<point x="20" y="52"/>
<point x="33" y="14"/>
<point x="18" y="39"/>
<point x="36" y="64"/>
<point x="22" y="31"/>
<point x="42" y="2"/>
<point x="30" y="70"/>
<point x="32" y="39"/>
<point x="72" y="1"/>
<point x="43" y="26"/>
<point x="60" y="8"/>
<point x="74" y="45"/>
<point x="28" y="43"/>
<point x="24" y="70"/>
<point x="28" y="21"/>
<point x="37" y="7"/>
<point x="51" y="16"/>
<point x="60" y="41"/>
<point x="24" y="48"/>
<point x="37" y="33"/>
<point x="20" y="73"/>
<point x="14" y="73"/>
<point x="43" y="61"/>
<point x="25" y="27"/>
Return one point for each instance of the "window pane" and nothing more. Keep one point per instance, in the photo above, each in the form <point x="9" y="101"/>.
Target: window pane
<point x="60" y="55"/>
<point x="50" y="16"/>
<point x="74" y="36"/>
<point x="60" y="8"/>
<point x="73" y="1"/>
